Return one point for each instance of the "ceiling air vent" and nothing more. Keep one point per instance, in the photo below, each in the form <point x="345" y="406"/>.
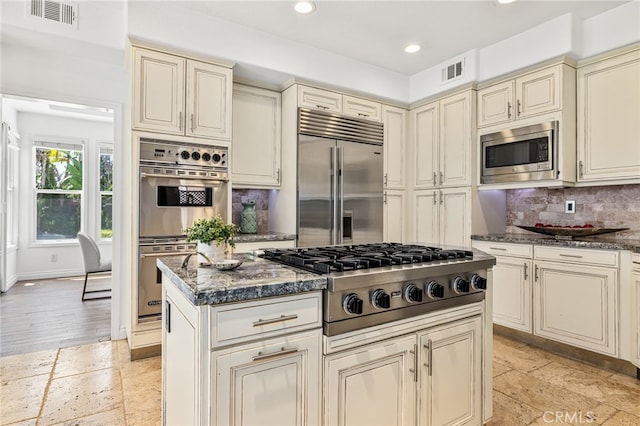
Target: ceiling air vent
<point x="65" y="13"/>
<point x="453" y="71"/>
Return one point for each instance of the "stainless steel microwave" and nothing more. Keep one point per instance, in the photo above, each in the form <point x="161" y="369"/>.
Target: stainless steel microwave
<point x="518" y="155"/>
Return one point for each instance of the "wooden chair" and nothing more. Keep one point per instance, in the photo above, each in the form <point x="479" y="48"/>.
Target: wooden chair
<point x="93" y="263"/>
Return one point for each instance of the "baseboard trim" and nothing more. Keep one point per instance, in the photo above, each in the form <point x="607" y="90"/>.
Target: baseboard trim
<point x="145" y="352"/>
<point x="599" y="360"/>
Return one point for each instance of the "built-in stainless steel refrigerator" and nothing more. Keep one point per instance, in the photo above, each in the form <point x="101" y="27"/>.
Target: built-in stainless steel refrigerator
<point x="340" y="180"/>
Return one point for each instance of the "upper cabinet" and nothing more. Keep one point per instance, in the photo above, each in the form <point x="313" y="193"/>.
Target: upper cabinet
<point x="395" y="125"/>
<point x="442" y="134"/>
<point x="326" y="100"/>
<point x="608" y="119"/>
<point x="531" y="94"/>
<point x="257" y="137"/>
<point x="181" y="96"/>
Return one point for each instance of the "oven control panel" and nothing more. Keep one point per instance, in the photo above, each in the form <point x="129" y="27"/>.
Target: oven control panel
<point x="183" y="154"/>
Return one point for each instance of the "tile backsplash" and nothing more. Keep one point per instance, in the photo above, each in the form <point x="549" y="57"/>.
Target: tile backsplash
<point x="615" y="206"/>
<point x="261" y="197"/>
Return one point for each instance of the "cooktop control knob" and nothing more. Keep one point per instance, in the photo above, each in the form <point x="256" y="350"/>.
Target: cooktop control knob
<point x="216" y="157"/>
<point x="380" y="299"/>
<point x="412" y="293"/>
<point x="206" y="156"/>
<point x="352" y="304"/>
<point x="185" y="155"/>
<point x="195" y="155"/>
<point x="460" y="285"/>
<point x="434" y="290"/>
<point x="478" y="282"/>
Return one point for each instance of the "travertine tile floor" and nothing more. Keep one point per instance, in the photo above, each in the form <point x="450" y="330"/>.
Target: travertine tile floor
<point x="97" y="384"/>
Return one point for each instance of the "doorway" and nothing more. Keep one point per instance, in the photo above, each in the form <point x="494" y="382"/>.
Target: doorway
<point x="59" y="160"/>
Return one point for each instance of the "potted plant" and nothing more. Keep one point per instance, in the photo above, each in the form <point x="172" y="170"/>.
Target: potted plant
<point x="209" y="231"/>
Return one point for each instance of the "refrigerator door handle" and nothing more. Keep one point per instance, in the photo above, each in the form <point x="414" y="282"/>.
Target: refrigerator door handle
<point x="339" y="219"/>
<point x="333" y="194"/>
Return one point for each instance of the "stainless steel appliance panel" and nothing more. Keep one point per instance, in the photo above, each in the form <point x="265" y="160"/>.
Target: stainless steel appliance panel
<point x="168" y="205"/>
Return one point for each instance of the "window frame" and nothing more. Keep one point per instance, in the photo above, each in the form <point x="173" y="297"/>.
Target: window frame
<point x="102" y="148"/>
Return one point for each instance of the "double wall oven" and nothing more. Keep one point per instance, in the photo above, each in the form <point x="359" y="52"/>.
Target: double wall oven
<point x="178" y="183"/>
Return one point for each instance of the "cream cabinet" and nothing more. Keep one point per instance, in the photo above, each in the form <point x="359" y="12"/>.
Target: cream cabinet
<point x="608" y="124"/>
<point x="442" y="216"/>
<point x="450" y="360"/>
<point x="325" y="100"/>
<point x="563" y="275"/>
<point x="361" y="108"/>
<point x="180" y="96"/>
<point x="372" y="385"/>
<point x="272" y="382"/>
<point x="635" y="309"/>
<point x="531" y="94"/>
<point x="512" y="284"/>
<point x="395" y="134"/>
<point x="257" y="140"/>
<point x="393" y="216"/>
<point x="442" y="135"/>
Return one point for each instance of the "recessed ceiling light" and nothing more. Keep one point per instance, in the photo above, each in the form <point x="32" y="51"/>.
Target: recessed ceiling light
<point x="412" y="48"/>
<point x="305" y="6"/>
<point x="505" y="1"/>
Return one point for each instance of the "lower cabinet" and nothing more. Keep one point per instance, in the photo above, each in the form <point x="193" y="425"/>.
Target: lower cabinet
<point x="512" y="293"/>
<point x="372" y="385"/>
<point x="450" y="361"/>
<point x="576" y="304"/>
<point x="273" y="382"/>
<point x="439" y="369"/>
<point x="442" y="216"/>
<point x="635" y="310"/>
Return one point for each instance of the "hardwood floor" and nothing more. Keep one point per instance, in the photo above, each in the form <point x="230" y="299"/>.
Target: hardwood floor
<point x="48" y="314"/>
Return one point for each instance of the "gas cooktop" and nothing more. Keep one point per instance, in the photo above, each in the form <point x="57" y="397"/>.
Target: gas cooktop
<point x="343" y="258"/>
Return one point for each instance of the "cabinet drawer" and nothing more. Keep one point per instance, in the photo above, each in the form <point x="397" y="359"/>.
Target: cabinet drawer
<point x="635" y="263"/>
<point x="504" y="249"/>
<point x="309" y="97"/>
<point x="245" y="321"/>
<point x="257" y="245"/>
<point x="584" y="256"/>
<point x="361" y="108"/>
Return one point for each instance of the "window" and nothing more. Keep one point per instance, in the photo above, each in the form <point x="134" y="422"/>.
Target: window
<point x="106" y="192"/>
<point x="58" y="190"/>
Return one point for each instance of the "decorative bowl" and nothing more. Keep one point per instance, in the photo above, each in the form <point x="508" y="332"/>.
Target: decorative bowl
<point x="569" y="232"/>
<point x="226" y="264"/>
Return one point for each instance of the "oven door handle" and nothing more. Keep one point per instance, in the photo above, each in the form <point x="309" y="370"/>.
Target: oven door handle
<point x="154" y="175"/>
<point x="167" y="254"/>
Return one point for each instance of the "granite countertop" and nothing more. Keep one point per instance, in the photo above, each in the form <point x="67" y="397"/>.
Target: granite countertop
<point x="254" y="279"/>
<point x="600" y="242"/>
<point x="268" y="236"/>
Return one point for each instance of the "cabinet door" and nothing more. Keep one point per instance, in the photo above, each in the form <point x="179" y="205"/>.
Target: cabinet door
<point x="512" y="293"/>
<point x="538" y="92"/>
<point x="451" y="374"/>
<point x="158" y="92"/>
<point x="309" y="97"/>
<point x="256" y="137"/>
<point x="361" y="108"/>
<point x="495" y="104"/>
<point x="274" y="382"/>
<point x="179" y="367"/>
<point x="635" y="310"/>
<point x="208" y="100"/>
<point x="372" y="386"/>
<point x="576" y="305"/>
<point x="608" y="125"/>
<point x="424" y="122"/>
<point x="455" y="216"/>
<point x="394" y="120"/>
<point x="425" y="220"/>
<point x="456" y="130"/>
<point x="393" y="216"/>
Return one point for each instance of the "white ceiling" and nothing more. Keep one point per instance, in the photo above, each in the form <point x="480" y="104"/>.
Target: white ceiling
<point x="376" y="32"/>
<point x="59" y="109"/>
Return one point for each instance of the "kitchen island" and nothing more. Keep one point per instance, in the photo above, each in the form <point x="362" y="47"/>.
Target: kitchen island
<point x="247" y="347"/>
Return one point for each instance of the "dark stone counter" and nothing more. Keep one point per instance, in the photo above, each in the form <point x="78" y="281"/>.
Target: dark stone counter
<point x="269" y="236"/>
<point x="586" y="242"/>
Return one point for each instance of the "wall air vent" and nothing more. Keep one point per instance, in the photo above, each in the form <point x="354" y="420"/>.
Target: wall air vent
<point x="64" y="13"/>
<point x="453" y="71"/>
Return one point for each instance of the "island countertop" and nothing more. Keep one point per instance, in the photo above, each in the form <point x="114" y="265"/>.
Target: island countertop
<point x="256" y="278"/>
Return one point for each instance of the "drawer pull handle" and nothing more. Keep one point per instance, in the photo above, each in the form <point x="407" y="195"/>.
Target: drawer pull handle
<point x="574" y="256"/>
<point x="637" y="263"/>
<point x="498" y="248"/>
<point x="281" y="318"/>
<point x="283" y="351"/>
<point x="526" y="272"/>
